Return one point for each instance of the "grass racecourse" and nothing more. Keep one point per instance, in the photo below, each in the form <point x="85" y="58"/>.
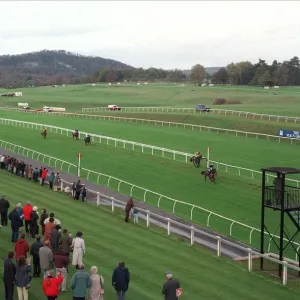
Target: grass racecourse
<point x="233" y="196"/>
<point x="147" y="252"/>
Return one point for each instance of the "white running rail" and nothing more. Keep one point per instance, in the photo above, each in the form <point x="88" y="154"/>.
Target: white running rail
<point x="94" y="176"/>
<point x="217" y="130"/>
<point x="216" y="111"/>
<point x="143" y="148"/>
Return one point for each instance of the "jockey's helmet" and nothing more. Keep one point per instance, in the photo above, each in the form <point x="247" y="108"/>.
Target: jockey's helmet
<point x="211" y="166"/>
<point x="197" y="153"/>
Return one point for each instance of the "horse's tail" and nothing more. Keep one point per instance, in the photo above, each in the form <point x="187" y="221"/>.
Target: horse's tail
<point x="203" y="172"/>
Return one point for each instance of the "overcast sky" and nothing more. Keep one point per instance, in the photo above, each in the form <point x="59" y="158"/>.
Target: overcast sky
<point x="155" y="33"/>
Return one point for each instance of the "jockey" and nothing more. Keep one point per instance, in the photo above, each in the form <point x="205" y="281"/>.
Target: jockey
<point x="197" y="154"/>
<point x="209" y="169"/>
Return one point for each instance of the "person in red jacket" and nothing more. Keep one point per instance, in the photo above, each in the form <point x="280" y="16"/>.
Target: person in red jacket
<point x="44" y="175"/>
<point x="51" y="285"/>
<point x="27" y="209"/>
<point x="21" y="247"/>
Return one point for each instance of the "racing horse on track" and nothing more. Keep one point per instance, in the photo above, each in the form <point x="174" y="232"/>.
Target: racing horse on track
<point x="87" y="139"/>
<point x="196" y="159"/>
<point x="75" y="135"/>
<point x="44" y="133"/>
<point x="211" y="173"/>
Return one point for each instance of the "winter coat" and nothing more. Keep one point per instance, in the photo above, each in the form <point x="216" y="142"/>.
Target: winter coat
<point x="51" y="178"/>
<point x="4" y="205"/>
<point x="94" y="291"/>
<point x="66" y="242"/>
<point x="46" y="258"/>
<point x="78" y="246"/>
<point x="27" y="209"/>
<point x="43" y="217"/>
<point x="20" y="212"/>
<point x="56" y="180"/>
<point x="80" y="282"/>
<point x="14" y="220"/>
<point x="169" y="289"/>
<point x="34" y="217"/>
<point x="51" y="285"/>
<point x="9" y="271"/>
<point x="22" y="276"/>
<point x="121" y="278"/>
<point x="61" y="260"/>
<point x="35" y="248"/>
<point x="30" y="172"/>
<point x="44" y="174"/>
<point x="54" y="239"/>
<point x="48" y="230"/>
<point x="129" y="205"/>
<point x="21" y="248"/>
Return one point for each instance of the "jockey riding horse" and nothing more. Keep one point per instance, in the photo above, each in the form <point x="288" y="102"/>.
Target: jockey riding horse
<point x="75" y="134"/>
<point x="196" y="159"/>
<point x="210" y="172"/>
<point x="44" y="133"/>
<point x="87" y="139"/>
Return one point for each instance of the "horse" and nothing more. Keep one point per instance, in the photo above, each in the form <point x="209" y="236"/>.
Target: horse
<point x="211" y="175"/>
<point x="196" y="160"/>
<point x="87" y="140"/>
<point x="44" y="133"/>
<point x="75" y="135"/>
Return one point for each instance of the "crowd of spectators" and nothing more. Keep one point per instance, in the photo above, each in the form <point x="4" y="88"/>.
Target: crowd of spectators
<point x="55" y="249"/>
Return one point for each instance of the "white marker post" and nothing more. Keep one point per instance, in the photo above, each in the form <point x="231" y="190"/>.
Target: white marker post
<point x="78" y="168"/>
<point x="207" y="156"/>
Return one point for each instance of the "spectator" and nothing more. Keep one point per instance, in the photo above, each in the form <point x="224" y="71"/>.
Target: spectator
<point x="170" y="287"/>
<point x="22" y="168"/>
<point x="51" y="180"/>
<point x="48" y="229"/>
<point x="29" y="172"/>
<point x="56" y="221"/>
<point x="40" y="173"/>
<point x="128" y="208"/>
<point x="80" y="282"/>
<point x="77" y="190"/>
<point x="27" y="209"/>
<point x="54" y="238"/>
<point x="46" y="258"/>
<point x="34" y="227"/>
<point x="51" y="285"/>
<point x="4" y="206"/>
<point x="96" y="291"/>
<point x="78" y="246"/>
<point x="20" y="212"/>
<point x="2" y="161"/>
<point x="21" y="247"/>
<point x="36" y="175"/>
<point x="120" y="280"/>
<point x="15" y="224"/>
<point x="43" y="217"/>
<point x="34" y="251"/>
<point x="83" y="195"/>
<point x="56" y="182"/>
<point x="135" y="215"/>
<point x="9" y="272"/>
<point x="61" y="262"/>
<point x="44" y="176"/>
<point x="74" y="190"/>
<point x="23" y="269"/>
<point x="66" y="242"/>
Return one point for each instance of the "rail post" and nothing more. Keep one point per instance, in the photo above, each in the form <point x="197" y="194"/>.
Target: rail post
<point x="218" y="246"/>
<point x="192" y="235"/>
<point x="169" y="226"/>
<point x="98" y="199"/>
<point x="148" y="218"/>
<point x="250" y="263"/>
<point x="284" y="274"/>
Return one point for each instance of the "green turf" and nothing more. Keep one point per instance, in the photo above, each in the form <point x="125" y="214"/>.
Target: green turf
<point x="285" y="102"/>
<point x="147" y="252"/>
<point x="165" y="176"/>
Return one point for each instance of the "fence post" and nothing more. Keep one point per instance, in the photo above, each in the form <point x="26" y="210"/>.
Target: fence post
<point x="61" y="185"/>
<point x="192" y="235"/>
<point x="284" y="273"/>
<point x="98" y="199"/>
<point x="169" y="226"/>
<point x="148" y="218"/>
<point x="249" y="259"/>
<point x="112" y="204"/>
<point x="219" y="246"/>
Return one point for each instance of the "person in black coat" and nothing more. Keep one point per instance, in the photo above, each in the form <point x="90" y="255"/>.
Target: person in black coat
<point x="78" y="189"/>
<point x="4" y="206"/>
<point x="120" y="280"/>
<point x="34" y="227"/>
<point x="170" y="287"/>
<point x="9" y="273"/>
<point x="34" y="251"/>
<point x="14" y="218"/>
